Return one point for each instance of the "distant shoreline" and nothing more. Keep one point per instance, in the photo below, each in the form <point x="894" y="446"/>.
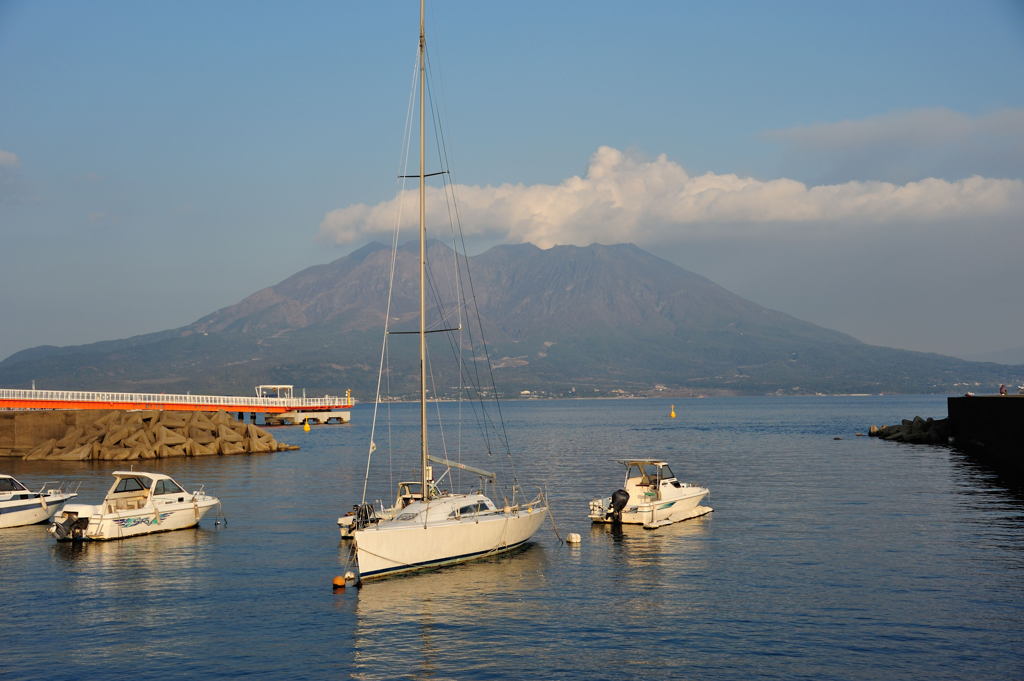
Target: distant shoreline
<point x="413" y="400"/>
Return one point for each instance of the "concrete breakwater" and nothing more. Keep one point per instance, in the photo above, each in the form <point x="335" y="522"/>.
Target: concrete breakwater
<point x="991" y="426"/>
<point x="114" y="435"/>
<point x="915" y="431"/>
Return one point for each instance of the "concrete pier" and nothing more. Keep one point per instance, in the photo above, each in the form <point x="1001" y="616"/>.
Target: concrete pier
<point x="991" y="425"/>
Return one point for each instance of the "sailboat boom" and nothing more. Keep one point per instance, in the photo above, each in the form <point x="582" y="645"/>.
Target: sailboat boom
<point x="462" y="467"/>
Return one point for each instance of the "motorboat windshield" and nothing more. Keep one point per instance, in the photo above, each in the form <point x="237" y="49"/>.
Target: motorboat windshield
<point x="647" y="471"/>
<point x="131" y="483"/>
<point x="139" y="483"/>
<point x="9" y="484"/>
<point x="167" y="486"/>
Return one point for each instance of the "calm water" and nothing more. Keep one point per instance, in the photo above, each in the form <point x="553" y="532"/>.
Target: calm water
<point x="824" y="559"/>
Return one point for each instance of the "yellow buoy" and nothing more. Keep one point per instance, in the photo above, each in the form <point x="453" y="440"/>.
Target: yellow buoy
<point x="305" y="426"/>
<point x="338" y="582"/>
<point x="672" y="412"/>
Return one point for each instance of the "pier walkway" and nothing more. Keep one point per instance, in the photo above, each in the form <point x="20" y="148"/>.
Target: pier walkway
<point x="81" y="399"/>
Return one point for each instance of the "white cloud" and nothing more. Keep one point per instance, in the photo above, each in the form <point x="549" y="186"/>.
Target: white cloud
<point x="9" y="159"/>
<point x="626" y="198"/>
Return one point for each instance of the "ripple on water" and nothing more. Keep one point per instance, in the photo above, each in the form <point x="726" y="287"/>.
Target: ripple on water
<point x="824" y="559"/>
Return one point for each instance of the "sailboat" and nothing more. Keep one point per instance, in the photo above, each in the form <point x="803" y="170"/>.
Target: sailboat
<point x="428" y="527"/>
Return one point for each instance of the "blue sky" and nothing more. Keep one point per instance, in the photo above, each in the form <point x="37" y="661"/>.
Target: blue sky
<point x="160" y="161"/>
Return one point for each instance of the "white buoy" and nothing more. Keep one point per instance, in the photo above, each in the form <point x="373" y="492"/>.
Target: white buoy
<point x="573" y="538"/>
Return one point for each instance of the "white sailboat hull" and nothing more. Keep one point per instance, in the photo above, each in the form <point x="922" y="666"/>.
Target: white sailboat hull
<point x="393" y="548"/>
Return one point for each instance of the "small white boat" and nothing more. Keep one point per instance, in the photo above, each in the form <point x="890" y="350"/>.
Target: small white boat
<point x="21" y="506"/>
<point x="137" y="503"/>
<point x="651" y="496"/>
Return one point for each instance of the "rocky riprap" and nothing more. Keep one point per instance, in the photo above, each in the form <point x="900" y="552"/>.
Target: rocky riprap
<point x="917" y="431"/>
<point x="132" y="435"/>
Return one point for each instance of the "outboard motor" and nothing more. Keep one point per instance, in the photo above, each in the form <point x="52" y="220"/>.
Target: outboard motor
<point x="620" y="498"/>
<point x="71" y="527"/>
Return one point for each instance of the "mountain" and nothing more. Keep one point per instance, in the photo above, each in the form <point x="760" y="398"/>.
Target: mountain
<point x="1007" y="356"/>
<point x="591" y="319"/>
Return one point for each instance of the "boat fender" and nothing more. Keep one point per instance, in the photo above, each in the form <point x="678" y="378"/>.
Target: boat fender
<point x="348" y="579"/>
<point x="620" y="498"/>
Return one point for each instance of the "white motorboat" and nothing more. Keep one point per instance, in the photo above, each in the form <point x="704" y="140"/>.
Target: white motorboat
<point x="21" y="506"/>
<point x="651" y="496"/>
<point x="428" y="527"/>
<point x="137" y="503"/>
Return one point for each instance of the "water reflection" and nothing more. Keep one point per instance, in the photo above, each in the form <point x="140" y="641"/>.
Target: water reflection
<point x="849" y="559"/>
<point x="503" y="618"/>
<point x="654" y="569"/>
<point x="417" y="618"/>
<point x="160" y="551"/>
<point x="15" y="537"/>
<point x="130" y="580"/>
<point x="675" y="545"/>
<point x="990" y="472"/>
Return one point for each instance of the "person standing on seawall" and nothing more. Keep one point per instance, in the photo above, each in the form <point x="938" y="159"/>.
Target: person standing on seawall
<point x="1002" y="389"/>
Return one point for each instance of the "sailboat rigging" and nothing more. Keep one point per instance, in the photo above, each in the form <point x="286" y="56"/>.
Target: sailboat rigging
<point x="427" y="527"/>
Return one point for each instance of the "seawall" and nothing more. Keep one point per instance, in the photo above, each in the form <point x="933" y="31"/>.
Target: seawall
<point x="992" y="425"/>
<point x="20" y="431"/>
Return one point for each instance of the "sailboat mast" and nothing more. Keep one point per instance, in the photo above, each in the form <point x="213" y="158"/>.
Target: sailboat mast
<point x="423" y="262"/>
